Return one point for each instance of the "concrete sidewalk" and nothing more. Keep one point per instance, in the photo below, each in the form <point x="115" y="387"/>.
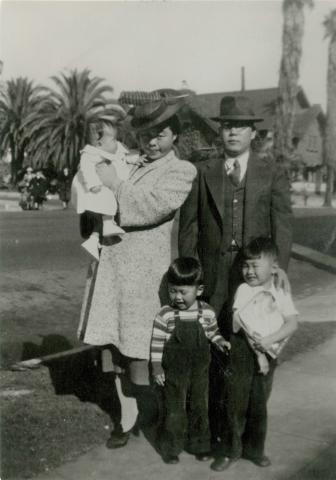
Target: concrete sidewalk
<point x="302" y="418"/>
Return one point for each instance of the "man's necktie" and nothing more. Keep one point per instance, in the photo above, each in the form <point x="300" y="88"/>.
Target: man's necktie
<point x="235" y="173"/>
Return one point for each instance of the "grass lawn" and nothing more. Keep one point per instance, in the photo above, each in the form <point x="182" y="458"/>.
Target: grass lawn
<point x="51" y="415"/>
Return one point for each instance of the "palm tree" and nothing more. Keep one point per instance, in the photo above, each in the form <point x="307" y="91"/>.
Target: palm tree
<point x="58" y="130"/>
<point x="293" y="29"/>
<point x="330" y="131"/>
<point x="18" y="99"/>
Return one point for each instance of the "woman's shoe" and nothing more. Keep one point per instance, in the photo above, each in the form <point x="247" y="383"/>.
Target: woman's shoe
<point x="117" y="439"/>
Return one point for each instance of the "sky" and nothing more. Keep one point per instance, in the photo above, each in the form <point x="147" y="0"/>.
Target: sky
<point x="156" y="44"/>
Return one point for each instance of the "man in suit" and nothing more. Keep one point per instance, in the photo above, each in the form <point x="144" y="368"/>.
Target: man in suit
<point x="235" y="198"/>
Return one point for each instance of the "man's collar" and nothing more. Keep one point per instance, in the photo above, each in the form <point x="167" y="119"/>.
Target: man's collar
<point x="243" y="157"/>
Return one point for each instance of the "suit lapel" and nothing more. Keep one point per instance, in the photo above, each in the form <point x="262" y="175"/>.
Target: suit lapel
<point x="215" y="181"/>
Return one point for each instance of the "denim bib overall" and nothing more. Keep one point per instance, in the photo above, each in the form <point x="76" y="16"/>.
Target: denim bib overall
<point x="185" y="362"/>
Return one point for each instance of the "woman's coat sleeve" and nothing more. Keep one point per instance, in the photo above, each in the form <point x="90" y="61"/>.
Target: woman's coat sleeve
<point x="144" y="205"/>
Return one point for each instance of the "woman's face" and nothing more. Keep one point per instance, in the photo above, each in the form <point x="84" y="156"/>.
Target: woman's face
<point x="157" y="143"/>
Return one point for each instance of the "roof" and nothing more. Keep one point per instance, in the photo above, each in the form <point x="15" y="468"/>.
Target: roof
<point x="263" y="100"/>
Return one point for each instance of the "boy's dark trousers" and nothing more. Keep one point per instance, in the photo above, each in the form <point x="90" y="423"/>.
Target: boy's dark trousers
<point x="186" y="365"/>
<point x="247" y="393"/>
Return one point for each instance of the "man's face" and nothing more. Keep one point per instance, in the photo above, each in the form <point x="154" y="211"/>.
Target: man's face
<point x="237" y="137"/>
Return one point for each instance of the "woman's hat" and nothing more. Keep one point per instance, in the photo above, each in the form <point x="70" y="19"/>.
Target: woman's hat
<point x="157" y="108"/>
<point x="238" y="109"/>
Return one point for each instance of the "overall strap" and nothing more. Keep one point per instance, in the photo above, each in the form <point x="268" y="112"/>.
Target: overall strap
<point x="200" y="310"/>
<point x="177" y="320"/>
<point x="200" y="326"/>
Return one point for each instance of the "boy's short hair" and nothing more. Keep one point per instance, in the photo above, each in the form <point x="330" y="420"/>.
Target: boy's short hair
<point x="185" y="271"/>
<point x="260" y="246"/>
<point x="96" y="129"/>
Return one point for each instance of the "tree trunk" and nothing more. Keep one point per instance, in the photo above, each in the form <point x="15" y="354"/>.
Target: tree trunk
<point x="330" y="130"/>
<point x="318" y="181"/>
<point x="329" y="186"/>
<point x="293" y="27"/>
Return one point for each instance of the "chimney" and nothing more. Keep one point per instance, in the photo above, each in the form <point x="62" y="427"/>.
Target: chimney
<point x="243" y="79"/>
<point x="185" y="85"/>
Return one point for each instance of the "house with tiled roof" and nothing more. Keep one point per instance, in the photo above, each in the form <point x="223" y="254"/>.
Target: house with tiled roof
<point x="308" y="127"/>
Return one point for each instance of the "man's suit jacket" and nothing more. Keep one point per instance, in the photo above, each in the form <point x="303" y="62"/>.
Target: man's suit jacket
<point x="267" y="212"/>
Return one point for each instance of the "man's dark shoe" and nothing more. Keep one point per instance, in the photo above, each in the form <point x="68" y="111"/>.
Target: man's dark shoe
<point x="203" y="457"/>
<point x="263" y="461"/>
<point x="170" y="459"/>
<point x="117" y="439"/>
<point x="223" y="463"/>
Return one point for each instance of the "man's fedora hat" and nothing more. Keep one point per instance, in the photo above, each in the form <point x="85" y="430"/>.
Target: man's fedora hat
<point x="156" y="110"/>
<point x="238" y="109"/>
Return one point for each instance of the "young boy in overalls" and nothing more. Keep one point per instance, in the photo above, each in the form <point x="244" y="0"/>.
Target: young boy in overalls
<point x="180" y="361"/>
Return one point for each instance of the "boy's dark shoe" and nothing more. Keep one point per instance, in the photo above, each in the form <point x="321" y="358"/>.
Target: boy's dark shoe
<point x="223" y="463"/>
<point x="204" y="457"/>
<point x="263" y="461"/>
<point x="117" y="439"/>
<point x="170" y="459"/>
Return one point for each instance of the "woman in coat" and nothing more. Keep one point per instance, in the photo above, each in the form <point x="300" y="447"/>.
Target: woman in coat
<point x="128" y="280"/>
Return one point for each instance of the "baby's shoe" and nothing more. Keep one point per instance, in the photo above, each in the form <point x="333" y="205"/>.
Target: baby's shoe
<point x="91" y="245"/>
<point x="110" y="228"/>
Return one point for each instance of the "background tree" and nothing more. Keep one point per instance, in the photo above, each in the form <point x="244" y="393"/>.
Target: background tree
<point x="18" y="99"/>
<point x="292" y="34"/>
<point x="330" y="131"/>
<point x="58" y="129"/>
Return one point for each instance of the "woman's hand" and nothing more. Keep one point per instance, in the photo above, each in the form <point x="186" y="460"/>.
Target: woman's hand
<point x="136" y="159"/>
<point x="108" y="176"/>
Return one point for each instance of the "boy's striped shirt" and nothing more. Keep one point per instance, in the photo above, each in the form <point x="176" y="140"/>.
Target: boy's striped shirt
<point x="164" y="325"/>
